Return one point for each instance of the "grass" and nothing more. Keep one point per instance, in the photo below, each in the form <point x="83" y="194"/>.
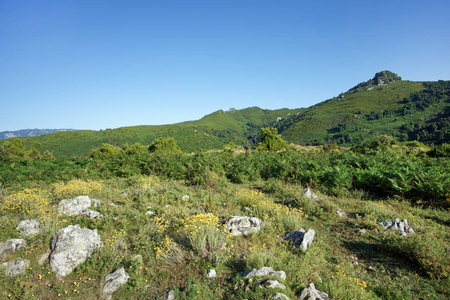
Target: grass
<point x="341" y="262"/>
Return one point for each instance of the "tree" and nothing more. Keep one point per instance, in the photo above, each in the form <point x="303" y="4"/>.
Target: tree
<point x="271" y="140"/>
<point x="164" y="145"/>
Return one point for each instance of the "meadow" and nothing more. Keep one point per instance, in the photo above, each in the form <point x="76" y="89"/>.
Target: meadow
<point x="173" y="249"/>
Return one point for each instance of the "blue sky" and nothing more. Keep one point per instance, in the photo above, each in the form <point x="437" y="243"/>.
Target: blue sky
<point x="107" y="64"/>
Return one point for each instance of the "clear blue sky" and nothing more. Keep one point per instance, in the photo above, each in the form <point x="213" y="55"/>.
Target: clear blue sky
<point x="106" y="64"/>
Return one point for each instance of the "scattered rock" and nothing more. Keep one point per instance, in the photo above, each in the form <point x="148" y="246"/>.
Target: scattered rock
<point x="151" y="213"/>
<point x="341" y="213"/>
<point x="10" y="246"/>
<point x="28" y="227"/>
<point x="302" y="239"/>
<point x="78" y="206"/>
<point x="264" y="271"/>
<point x="243" y="225"/>
<point x="310" y="195"/>
<point x="96" y="202"/>
<point x="396" y="224"/>
<point x="16" y="267"/>
<point x="361" y="231"/>
<point x="310" y="293"/>
<point x="43" y="258"/>
<point x="212" y="273"/>
<point x="271" y="283"/>
<point x="114" y="281"/>
<point x="71" y="246"/>
<point x="247" y="209"/>
<point x="279" y="296"/>
<point x="185" y="197"/>
<point x="170" y="295"/>
<point x="74" y="206"/>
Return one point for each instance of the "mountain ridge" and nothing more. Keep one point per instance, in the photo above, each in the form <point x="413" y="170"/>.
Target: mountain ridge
<point x="385" y="104"/>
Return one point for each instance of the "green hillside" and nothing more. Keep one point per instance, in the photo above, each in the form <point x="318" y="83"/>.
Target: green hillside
<point x="211" y="132"/>
<point x="384" y="104"/>
<point x="404" y="109"/>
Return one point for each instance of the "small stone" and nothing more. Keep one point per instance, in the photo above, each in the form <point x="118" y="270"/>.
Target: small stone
<point x="243" y="225"/>
<point x="28" y="227"/>
<point x="151" y="213"/>
<point x="302" y="239"/>
<point x="43" y="258"/>
<point x="361" y="231"/>
<point x="10" y="246"/>
<point x="307" y="192"/>
<point x="16" y="267"/>
<point x="212" y="273"/>
<point x="271" y="283"/>
<point x="280" y="296"/>
<point x="310" y="293"/>
<point x="185" y="197"/>
<point x="96" y="202"/>
<point x="340" y="213"/>
<point x="170" y="295"/>
<point x="114" y="281"/>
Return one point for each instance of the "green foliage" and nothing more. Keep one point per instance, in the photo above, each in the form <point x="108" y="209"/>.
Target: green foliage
<point x="271" y="140"/>
<point x="15" y="150"/>
<point x="441" y="151"/>
<point x="164" y="145"/>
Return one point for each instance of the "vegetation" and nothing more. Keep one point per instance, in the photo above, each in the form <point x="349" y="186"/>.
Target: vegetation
<point x="256" y="173"/>
<point x="378" y="180"/>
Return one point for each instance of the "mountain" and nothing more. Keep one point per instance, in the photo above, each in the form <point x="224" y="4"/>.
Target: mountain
<point x="385" y="104"/>
<point x="29" y="132"/>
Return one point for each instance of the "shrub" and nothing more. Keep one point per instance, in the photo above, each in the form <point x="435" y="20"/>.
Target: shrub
<point x="74" y="188"/>
<point x="30" y="203"/>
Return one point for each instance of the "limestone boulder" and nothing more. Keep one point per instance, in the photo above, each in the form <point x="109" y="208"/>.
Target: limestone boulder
<point x="16" y="267"/>
<point x="79" y="206"/>
<point x="70" y="247"/>
<point x="114" y="281"/>
<point x="311" y="293"/>
<point x="243" y="225"/>
<point x="28" y="227"/>
<point x="10" y="246"/>
<point x="396" y="224"/>
<point x="264" y="271"/>
<point x="302" y="239"/>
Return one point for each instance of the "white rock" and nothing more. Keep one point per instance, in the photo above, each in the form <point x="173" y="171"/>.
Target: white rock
<point x="280" y="296"/>
<point x="307" y="192"/>
<point x="185" y="197"/>
<point x="114" y="281"/>
<point x="28" y="227"/>
<point x="70" y="247"/>
<point x="74" y="206"/>
<point x="10" y="246"/>
<point x="16" y="267"/>
<point x="212" y="273"/>
<point x="302" y="239"/>
<point x="151" y="213"/>
<point x="310" y="293"/>
<point x="243" y="225"/>
<point x="43" y="258"/>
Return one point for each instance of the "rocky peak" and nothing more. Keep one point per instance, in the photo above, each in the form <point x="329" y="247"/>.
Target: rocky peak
<point x="380" y="78"/>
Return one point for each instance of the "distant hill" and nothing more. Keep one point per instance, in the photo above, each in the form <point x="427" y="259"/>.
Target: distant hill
<point x="29" y="132"/>
<point x="385" y="104"/>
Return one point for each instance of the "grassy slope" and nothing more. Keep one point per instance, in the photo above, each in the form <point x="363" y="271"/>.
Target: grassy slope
<point x="340" y="261"/>
<point x="314" y="123"/>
